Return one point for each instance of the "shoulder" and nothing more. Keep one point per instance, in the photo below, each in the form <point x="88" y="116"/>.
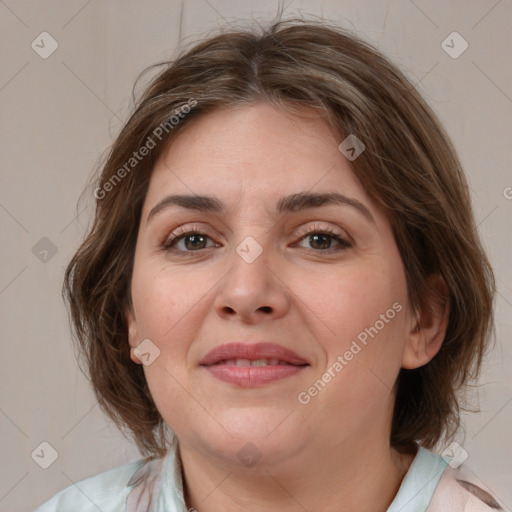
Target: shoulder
<point x="458" y="491"/>
<point x="432" y="485"/>
<point x="106" y="491"/>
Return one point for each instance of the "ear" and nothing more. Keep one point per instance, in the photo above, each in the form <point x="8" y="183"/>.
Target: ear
<point x="428" y="328"/>
<point x="133" y="338"/>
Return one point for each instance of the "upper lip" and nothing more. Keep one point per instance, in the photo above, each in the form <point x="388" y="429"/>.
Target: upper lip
<point x="252" y="351"/>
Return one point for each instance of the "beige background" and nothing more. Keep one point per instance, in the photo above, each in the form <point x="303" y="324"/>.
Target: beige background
<point x="57" y="116"/>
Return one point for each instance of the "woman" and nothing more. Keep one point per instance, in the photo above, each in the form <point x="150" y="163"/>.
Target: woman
<point x="283" y="290"/>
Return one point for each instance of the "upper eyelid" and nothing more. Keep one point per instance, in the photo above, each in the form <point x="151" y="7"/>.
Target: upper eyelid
<point x="329" y="228"/>
<point x="185" y="228"/>
<point x="304" y="230"/>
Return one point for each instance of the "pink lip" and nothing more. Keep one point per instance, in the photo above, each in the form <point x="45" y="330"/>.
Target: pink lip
<point x="217" y="362"/>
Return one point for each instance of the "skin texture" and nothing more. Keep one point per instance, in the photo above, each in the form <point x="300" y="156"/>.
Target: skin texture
<point x="298" y="294"/>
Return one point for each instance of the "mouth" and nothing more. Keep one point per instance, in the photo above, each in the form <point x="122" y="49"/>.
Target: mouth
<point x="254" y="362"/>
<point x="251" y="365"/>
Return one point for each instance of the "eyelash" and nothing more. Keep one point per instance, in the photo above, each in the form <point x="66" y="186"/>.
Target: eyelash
<point x="181" y="233"/>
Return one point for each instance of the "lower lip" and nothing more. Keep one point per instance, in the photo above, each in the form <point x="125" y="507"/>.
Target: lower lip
<point x="250" y="376"/>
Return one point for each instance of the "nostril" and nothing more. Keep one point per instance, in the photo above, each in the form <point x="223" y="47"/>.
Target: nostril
<point x="266" y="309"/>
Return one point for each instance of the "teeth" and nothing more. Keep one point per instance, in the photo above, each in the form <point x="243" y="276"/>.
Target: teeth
<point x="256" y="362"/>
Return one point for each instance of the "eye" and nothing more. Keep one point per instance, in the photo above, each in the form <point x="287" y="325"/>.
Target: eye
<point x="323" y="239"/>
<point x="188" y="240"/>
<point x="191" y="240"/>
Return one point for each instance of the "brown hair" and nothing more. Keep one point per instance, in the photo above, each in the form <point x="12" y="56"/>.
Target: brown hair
<point x="409" y="167"/>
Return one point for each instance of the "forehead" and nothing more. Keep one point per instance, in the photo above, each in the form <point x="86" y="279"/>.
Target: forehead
<point x="257" y="152"/>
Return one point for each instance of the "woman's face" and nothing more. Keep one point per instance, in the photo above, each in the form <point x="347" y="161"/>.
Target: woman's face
<point x="267" y="262"/>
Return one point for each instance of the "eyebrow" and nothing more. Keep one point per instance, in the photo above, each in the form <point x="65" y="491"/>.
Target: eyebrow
<point x="291" y="203"/>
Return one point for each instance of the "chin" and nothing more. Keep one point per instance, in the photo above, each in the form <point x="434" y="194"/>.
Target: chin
<point x="257" y="423"/>
<point x="253" y="439"/>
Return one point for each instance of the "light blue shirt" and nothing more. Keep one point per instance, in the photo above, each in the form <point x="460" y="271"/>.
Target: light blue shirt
<point x="117" y="490"/>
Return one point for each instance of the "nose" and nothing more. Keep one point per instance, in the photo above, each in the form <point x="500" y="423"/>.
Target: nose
<point x="252" y="292"/>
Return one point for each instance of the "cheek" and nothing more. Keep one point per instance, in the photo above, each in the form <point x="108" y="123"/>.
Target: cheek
<point x="169" y="307"/>
<point x="353" y="299"/>
<point x="164" y="301"/>
<point x="363" y="313"/>
<point x="168" y="311"/>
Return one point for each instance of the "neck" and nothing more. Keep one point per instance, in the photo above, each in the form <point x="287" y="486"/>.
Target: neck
<point x="362" y="476"/>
